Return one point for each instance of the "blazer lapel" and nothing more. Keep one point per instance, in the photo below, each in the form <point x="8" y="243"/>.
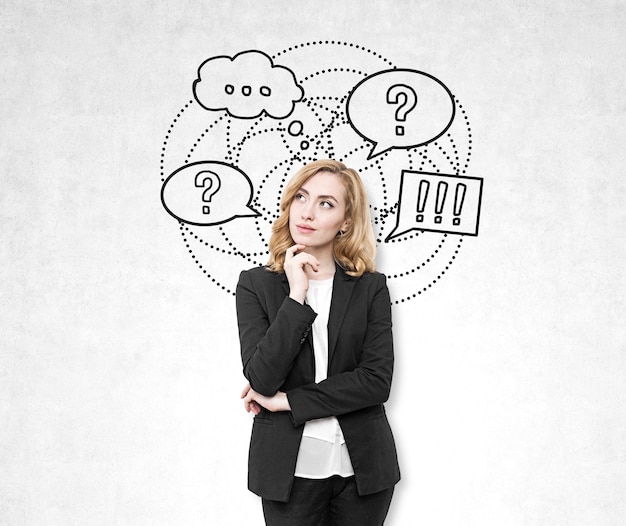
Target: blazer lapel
<point x="343" y="285"/>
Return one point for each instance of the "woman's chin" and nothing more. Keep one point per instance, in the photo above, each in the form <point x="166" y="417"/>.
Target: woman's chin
<point x="301" y="239"/>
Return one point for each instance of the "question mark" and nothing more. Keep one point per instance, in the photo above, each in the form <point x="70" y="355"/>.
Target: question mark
<point x="214" y="186"/>
<point x="409" y="101"/>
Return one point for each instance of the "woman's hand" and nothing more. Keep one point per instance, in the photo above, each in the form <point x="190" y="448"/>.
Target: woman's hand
<point x="253" y="401"/>
<point x="249" y="404"/>
<point x="294" y="267"/>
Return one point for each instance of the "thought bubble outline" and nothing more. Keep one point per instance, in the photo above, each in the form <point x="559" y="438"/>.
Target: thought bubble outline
<point x="374" y="152"/>
<point x="220" y="107"/>
<point x="210" y="223"/>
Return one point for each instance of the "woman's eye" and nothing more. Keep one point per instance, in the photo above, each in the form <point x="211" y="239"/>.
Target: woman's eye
<point x="299" y="197"/>
<point x="326" y="204"/>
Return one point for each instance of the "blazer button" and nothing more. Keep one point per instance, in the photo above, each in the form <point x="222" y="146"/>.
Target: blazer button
<point x="306" y="333"/>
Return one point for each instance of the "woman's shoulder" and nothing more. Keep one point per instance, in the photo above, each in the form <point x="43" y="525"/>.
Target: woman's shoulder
<point x="372" y="276"/>
<point x="260" y="270"/>
<point x="371" y="279"/>
<point x="260" y="274"/>
<point x="378" y="279"/>
<point x="256" y="270"/>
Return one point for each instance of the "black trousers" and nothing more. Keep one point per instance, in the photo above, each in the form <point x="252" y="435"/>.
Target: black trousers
<point x="328" y="502"/>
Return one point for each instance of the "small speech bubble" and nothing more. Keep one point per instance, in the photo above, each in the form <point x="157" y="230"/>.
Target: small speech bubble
<point x="246" y="86"/>
<point x="400" y="108"/>
<point x="208" y="193"/>
<point x="438" y="203"/>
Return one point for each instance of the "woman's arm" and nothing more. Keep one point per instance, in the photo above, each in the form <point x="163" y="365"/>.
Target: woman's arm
<point x="368" y="384"/>
<point x="253" y="401"/>
<point x="269" y="349"/>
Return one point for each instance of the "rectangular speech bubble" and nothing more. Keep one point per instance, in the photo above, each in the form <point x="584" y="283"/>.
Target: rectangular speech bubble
<point x="438" y="202"/>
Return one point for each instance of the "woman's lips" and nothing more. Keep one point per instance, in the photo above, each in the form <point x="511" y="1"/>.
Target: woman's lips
<point x="305" y="229"/>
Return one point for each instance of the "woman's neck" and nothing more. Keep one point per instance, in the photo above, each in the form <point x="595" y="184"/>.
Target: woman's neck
<point x="326" y="268"/>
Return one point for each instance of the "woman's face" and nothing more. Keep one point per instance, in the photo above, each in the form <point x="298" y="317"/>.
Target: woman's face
<point x="318" y="212"/>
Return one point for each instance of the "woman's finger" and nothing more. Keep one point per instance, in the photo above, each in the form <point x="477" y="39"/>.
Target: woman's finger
<point x="291" y="251"/>
<point x="303" y="258"/>
<point x="315" y="265"/>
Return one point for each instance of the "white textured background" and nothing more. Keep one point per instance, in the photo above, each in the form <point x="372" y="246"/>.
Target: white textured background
<point x="119" y="366"/>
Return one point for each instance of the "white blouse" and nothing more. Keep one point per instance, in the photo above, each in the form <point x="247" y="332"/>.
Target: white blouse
<point x="323" y="451"/>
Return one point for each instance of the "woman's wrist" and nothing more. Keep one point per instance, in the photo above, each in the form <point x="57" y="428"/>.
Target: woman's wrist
<point x="283" y="401"/>
<point x="298" y="296"/>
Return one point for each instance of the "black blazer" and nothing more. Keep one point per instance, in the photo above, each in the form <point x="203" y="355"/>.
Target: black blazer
<point x="277" y="355"/>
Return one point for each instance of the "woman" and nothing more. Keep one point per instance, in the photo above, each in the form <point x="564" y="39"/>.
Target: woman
<point x="317" y="350"/>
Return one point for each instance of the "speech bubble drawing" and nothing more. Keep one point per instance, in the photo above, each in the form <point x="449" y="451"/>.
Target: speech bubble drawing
<point x="187" y="192"/>
<point x="246" y="86"/>
<point x="438" y="202"/>
<point x="400" y="108"/>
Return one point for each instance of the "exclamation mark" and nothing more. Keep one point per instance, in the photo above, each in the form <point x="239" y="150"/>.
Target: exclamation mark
<point x="422" y="194"/>
<point x="442" y="190"/>
<point x="459" y="197"/>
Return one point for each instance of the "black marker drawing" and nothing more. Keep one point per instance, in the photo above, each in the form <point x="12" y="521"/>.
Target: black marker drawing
<point x="246" y="86"/>
<point x="400" y="87"/>
<point x="189" y="194"/>
<point x="255" y="118"/>
<point x="453" y="206"/>
<point x="214" y="184"/>
<point x="405" y="99"/>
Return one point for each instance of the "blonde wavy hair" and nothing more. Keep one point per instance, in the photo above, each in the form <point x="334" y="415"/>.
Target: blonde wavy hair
<point x="355" y="249"/>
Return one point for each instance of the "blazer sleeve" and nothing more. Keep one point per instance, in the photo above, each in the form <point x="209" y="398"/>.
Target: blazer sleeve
<point x="268" y="348"/>
<point x="366" y="385"/>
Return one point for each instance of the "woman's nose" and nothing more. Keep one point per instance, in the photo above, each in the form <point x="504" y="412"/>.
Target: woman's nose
<point x="307" y="211"/>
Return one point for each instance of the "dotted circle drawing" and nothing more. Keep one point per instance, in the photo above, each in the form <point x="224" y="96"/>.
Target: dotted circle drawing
<point x="268" y="150"/>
